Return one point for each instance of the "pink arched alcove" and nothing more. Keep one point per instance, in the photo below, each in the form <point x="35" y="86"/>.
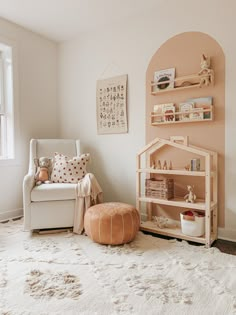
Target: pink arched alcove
<point x="183" y="52"/>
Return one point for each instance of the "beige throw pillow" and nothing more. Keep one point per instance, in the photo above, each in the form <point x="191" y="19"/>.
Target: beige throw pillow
<point x="69" y="170"/>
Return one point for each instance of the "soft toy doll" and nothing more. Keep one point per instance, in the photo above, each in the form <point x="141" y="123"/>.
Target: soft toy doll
<point x="206" y="73"/>
<point x="190" y="197"/>
<point x="44" y="167"/>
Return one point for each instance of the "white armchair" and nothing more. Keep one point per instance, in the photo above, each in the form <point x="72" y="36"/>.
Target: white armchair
<point x="49" y="205"/>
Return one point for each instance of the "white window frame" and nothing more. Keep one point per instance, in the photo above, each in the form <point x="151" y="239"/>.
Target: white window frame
<point x="8" y="102"/>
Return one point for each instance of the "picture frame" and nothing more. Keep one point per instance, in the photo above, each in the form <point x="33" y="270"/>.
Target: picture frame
<point x="163" y="76"/>
<point x="111" y="105"/>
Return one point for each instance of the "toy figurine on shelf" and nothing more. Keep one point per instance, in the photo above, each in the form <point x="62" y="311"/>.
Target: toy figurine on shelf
<point x="206" y="74"/>
<point x="190" y="197"/>
<point x="165" y="165"/>
<point x="187" y="167"/>
<point x="170" y="166"/>
<point x="153" y="165"/>
<point x="158" y="165"/>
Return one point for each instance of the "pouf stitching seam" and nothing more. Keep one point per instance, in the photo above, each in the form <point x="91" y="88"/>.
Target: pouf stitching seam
<point x="123" y="227"/>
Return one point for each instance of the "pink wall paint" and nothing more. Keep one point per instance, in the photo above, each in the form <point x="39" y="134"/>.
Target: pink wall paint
<point x="183" y="52"/>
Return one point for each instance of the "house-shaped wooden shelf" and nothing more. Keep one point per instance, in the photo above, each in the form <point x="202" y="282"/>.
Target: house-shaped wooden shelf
<point x="208" y="204"/>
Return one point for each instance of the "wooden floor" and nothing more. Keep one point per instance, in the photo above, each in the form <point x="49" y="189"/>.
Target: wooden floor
<point x="226" y="246"/>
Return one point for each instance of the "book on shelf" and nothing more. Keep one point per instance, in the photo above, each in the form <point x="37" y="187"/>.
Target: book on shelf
<point x="157" y="110"/>
<point x="163" y="76"/>
<point x="185" y="109"/>
<point x="168" y="111"/>
<point x="203" y="103"/>
<point x="197" y="114"/>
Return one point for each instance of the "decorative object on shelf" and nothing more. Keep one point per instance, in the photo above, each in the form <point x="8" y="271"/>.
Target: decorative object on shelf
<point x="164" y="165"/>
<point x="161" y="222"/>
<point x="158" y="165"/>
<point x="207" y="74"/>
<point x="170" y="166"/>
<point x="187" y="167"/>
<point x="195" y="165"/>
<point x="190" y="197"/>
<point x="160" y="188"/>
<point x="185" y="83"/>
<point x="111" y="96"/>
<point x="164" y="78"/>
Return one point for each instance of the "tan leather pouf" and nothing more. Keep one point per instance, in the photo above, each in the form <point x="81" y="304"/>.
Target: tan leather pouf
<point x="111" y="223"/>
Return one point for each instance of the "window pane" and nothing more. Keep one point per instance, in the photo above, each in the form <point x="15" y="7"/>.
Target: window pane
<point x="0" y="137"/>
<point x="1" y="83"/>
<point x="6" y="103"/>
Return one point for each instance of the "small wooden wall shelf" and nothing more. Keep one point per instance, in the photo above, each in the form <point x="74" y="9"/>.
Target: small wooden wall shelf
<point x="177" y="116"/>
<point x="185" y="82"/>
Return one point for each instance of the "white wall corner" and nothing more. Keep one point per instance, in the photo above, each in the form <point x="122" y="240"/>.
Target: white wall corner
<point x="227" y="234"/>
<point x="11" y="214"/>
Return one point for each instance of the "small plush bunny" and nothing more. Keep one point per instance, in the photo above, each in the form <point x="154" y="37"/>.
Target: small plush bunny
<point x="207" y="75"/>
<point x="190" y="197"/>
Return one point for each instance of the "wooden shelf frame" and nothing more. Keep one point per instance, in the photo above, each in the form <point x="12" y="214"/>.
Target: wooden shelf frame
<point x="194" y="78"/>
<point x="174" y="172"/>
<point x="179" y="202"/>
<point x="209" y="205"/>
<point x="179" y="113"/>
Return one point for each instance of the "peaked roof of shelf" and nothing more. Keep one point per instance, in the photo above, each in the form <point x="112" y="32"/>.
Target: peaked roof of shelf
<point x="158" y="143"/>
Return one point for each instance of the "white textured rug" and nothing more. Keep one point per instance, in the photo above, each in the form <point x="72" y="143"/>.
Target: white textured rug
<point x="69" y="274"/>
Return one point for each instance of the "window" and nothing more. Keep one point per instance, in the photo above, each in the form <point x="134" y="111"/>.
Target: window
<point x="6" y="103"/>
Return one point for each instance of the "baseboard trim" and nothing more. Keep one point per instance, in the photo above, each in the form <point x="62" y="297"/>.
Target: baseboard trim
<point x="11" y="214"/>
<point x="227" y="234"/>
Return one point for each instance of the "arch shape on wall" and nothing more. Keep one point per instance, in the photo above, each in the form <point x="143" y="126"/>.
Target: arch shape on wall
<point x="183" y="52"/>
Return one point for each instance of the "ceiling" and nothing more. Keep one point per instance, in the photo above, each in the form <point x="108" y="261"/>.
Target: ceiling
<point x="62" y="20"/>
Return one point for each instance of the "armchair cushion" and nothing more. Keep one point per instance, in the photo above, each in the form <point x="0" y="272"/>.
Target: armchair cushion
<point x="54" y="191"/>
<point x="66" y="170"/>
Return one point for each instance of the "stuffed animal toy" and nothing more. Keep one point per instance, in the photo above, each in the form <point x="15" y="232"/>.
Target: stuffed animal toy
<point x="44" y="169"/>
<point x="190" y="197"/>
<point x="206" y="73"/>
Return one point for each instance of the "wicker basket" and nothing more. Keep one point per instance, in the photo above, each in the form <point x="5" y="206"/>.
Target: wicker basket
<point x="160" y="188"/>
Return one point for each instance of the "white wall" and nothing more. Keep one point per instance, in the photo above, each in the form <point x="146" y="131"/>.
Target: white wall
<point x="129" y="47"/>
<point x="36" y="112"/>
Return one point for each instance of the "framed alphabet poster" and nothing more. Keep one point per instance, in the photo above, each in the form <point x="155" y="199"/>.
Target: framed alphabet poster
<point x="111" y="96"/>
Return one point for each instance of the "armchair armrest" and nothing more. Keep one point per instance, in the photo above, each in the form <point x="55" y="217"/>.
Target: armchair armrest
<point x="28" y="184"/>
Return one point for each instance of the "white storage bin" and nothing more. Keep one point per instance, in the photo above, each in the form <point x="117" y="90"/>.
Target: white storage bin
<point x="192" y="225"/>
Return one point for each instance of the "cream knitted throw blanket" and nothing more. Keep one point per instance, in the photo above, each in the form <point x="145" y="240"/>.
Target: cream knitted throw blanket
<point x="88" y="193"/>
